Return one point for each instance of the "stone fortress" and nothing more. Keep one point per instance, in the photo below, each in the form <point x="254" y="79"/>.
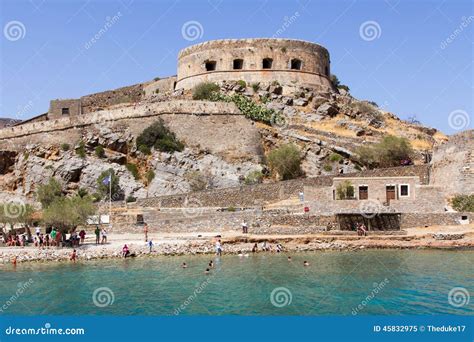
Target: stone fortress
<point x="291" y="71"/>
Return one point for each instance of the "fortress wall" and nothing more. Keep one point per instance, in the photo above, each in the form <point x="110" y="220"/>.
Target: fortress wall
<point x="216" y="126"/>
<point x="162" y="86"/>
<point x="98" y="101"/>
<point x="314" y="69"/>
<point x="453" y="164"/>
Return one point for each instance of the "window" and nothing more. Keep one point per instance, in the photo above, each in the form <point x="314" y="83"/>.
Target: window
<point x="267" y="63"/>
<point x="464" y="217"/>
<point x="363" y="192"/>
<point x="140" y="219"/>
<point x="210" y="65"/>
<point x="295" y="64"/>
<point x="404" y="190"/>
<point x="65" y="111"/>
<point x="238" y="64"/>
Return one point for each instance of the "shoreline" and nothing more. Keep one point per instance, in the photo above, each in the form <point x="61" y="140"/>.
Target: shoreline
<point x="446" y="238"/>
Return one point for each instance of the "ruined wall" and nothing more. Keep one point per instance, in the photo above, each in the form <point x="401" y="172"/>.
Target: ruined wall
<point x="453" y="164"/>
<point x="61" y="108"/>
<point x="159" y="86"/>
<point x="99" y="101"/>
<point x="314" y="62"/>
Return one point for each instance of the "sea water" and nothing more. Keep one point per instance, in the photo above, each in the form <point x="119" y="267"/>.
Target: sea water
<point x="372" y="282"/>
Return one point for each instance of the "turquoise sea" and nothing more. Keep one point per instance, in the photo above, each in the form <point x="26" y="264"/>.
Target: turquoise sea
<point x="373" y="282"/>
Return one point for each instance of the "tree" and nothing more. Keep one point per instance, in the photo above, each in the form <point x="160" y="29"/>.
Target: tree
<point x="285" y="162"/>
<point x="205" y="91"/>
<point x="391" y="151"/>
<point x="14" y="212"/>
<point x="66" y="213"/>
<point x="160" y="137"/>
<point x="47" y="193"/>
<point x="105" y="189"/>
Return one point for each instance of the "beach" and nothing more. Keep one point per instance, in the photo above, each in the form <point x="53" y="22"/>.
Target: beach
<point x="436" y="237"/>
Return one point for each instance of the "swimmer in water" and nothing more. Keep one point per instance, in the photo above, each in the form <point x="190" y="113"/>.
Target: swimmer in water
<point x="207" y="271"/>
<point x="305" y="263"/>
<point x="289" y="258"/>
<point x="184" y="265"/>
<point x="211" y="264"/>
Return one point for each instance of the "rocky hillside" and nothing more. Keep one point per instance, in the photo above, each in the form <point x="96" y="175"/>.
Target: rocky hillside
<point x="327" y="127"/>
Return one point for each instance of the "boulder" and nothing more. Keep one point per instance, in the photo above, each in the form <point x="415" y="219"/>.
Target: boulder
<point x="300" y="102"/>
<point x="327" y="109"/>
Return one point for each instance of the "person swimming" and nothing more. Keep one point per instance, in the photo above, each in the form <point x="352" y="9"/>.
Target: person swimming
<point x="289" y="258"/>
<point x="207" y="271"/>
<point x="211" y="264"/>
<point x="184" y="265"/>
<point x="305" y="263"/>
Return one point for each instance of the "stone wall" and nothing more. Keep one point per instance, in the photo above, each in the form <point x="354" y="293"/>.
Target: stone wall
<point x="453" y="164"/>
<point x="433" y="219"/>
<point x="159" y="86"/>
<point x="313" y="69"/>
<point x="217" y="127"/>
<point x="99" y="101"/>
<point x="60" y="108"/>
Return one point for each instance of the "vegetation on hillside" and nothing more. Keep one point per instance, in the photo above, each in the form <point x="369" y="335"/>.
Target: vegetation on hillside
<point x="285" y="162"/>
<point x="205" y="91"/>
<point x="345" y="190"/>
<point x="463" y="203"/>
<point x="391" y="151"/>
<point x="108" y="184"/>
<point x="160" y="137"/>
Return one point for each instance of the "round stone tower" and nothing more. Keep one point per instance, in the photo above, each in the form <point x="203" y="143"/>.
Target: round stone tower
<point x="286" y="61"/>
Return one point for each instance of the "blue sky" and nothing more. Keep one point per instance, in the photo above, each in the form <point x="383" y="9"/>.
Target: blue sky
<point x="415" y="58"/>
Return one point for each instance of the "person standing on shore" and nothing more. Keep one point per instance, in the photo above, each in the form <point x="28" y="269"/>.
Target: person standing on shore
<point x="245" y="228"/>
<point x="97" y="235"/>
<point x="104" y="236"/>
<point x="53" y="236"/>
<point x="73" y="256"/>
<point x="145" y="231"/>
<point x="150" y="245"/>
<point x="218" y="248"/>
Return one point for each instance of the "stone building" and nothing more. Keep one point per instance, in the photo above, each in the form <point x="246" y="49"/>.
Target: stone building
<point x="285" y="61"/>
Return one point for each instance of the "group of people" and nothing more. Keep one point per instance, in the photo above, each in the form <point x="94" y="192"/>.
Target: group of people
<point x="266" y="247"/>
<point x="55" y="238"/>
<point x="100" y="235"/>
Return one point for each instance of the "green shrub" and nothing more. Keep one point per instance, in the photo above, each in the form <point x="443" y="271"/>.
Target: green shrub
<point x="253" y="177"/>
<point x="96" y="197"/>
<point x="391" y="151"/>
<point x="256" y="86"/>
<point x="157" y="91"/>
<point x="231" y="209"/>
<point x="159" y="137"/>
<point x="81" y="192"/>
<point x="250" y="109"/>
<point x="144" y="149"/>
<point x="150" y="175"/>
<point x="345" y="190"/>
<point x="327" y="167"/>
<point x="81" y="150"/>
<point x="285" y="161"/>
<point x="26" y="155"/>
<point x="156" y="79"/>
<point x="47" y="193"/>
<point x="463" y="203"/>
<point x="335" y="157"/>
<point x="337" y="84"/>
<point x="133" y="170"/>
<point x="205" y="90"/>
<point x="99" y="151"/>
<point x="65" y="147"/>
<point x="131" y="199"/>
<point x="242" y="83"/>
